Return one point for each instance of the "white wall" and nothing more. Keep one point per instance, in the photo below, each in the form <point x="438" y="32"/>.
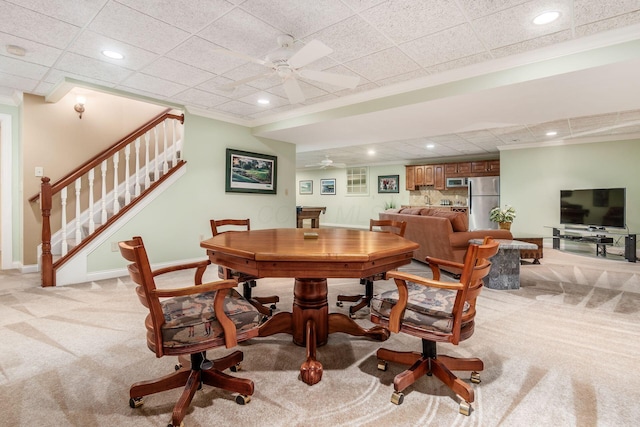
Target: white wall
<point x="351" y="211"/>
<point x="531" y="180"/>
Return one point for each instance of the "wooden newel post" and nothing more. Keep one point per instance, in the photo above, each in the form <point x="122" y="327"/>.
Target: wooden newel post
<point x="47" y="259"/>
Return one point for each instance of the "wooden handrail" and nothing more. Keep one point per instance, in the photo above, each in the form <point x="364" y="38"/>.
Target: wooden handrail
<point x="96" y="160"/>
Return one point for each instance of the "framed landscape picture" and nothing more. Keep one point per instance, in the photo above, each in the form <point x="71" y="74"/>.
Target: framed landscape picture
<point x="388" y="184"/>
<point x="250" y="172"/>
<point x="305" y="187"/>
<point x="328" y="186"/>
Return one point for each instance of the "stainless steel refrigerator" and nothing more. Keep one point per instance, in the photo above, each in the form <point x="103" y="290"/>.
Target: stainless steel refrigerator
<point x="484" y="195"/>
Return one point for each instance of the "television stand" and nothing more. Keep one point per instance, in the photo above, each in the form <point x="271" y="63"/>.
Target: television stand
<point x="600" y="236"/>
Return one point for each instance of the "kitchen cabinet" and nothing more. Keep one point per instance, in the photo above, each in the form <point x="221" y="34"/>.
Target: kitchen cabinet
<point x="485" y="168"/>
<point x="457" y="170"/>
<point x="410" y="178"/>
<point x="438" y="177"/>
<point x="418" y="179"/>
<point x="428" y="175"/>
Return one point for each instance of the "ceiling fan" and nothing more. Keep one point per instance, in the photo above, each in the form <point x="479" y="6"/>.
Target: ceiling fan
<point x="288" y="65"/>
<point x="327" y="163"/>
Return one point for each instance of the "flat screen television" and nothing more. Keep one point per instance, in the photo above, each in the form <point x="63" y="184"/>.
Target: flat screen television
<point x="597" y="207"/>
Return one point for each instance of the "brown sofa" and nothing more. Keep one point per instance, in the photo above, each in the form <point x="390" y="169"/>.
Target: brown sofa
<point x="440" y="233"/>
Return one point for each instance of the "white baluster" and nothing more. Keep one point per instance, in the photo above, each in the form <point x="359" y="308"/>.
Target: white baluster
<point x="116" y="202"/>
<point x="165" y="164"/>
<point x="179" y="138"/>
<point x="156" y="156"/>
<point x="174" y="158"/>
<point x="137" y="173"/>
<point x="103" y="214"/>
<point x="63" y="203"/>
<point x="147" y="175"/>
<point x="78" y="226"/>
<point x="127" y="187"/>
<point x="92" y="222"/>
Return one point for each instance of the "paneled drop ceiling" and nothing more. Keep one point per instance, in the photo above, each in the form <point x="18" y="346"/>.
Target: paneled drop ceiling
<point x="462" y="76"/>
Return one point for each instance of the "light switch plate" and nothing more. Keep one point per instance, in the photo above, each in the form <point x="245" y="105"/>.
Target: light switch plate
<point x="39" y="171"/>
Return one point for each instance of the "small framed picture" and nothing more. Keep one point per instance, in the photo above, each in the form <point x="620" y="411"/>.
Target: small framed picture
<point x="388" y="184"/>
<point x="305" y="187"/>
<point x="250" y="172"/>
<point x="328" y="186"/>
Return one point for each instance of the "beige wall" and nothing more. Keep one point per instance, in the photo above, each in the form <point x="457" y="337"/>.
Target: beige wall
<point x="54" y="138"/>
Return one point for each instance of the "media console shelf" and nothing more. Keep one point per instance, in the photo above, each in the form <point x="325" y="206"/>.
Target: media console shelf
<point x="600" y="236"/>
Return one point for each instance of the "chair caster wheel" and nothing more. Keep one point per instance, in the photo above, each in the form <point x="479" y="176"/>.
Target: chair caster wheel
<point x="242" y="399"/>
<point x="235" y="368"/>
<point x="382" y="365"/>
<point x="135" y="402"/>
<point x="465" y="408"/>
<point x="339" y="304"/>
<point x="397" y="398"/>
<point x="475" y="377"/>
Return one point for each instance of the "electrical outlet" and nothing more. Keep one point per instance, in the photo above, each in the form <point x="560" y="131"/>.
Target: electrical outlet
<point x="114" y="246"/>
<point x="39" y="171"/>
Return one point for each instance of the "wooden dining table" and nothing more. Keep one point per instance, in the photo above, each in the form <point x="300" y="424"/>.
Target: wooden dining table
<point x="310" y="256"/>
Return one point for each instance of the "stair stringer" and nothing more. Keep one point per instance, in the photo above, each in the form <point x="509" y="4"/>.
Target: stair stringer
<point x="75" y="269"/>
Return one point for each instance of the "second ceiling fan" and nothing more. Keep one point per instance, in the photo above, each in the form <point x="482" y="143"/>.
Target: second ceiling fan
<point x="288" y="65"/>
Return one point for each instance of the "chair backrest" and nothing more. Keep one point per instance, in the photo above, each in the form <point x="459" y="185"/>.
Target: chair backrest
<point x="396" y="227"/>
<point x="140" y="271"/>
<point x="223" y="225"/>
<point x="476" y="268"/>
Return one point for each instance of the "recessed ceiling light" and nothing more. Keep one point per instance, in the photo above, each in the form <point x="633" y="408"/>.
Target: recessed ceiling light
<point x="16" y="50"/>
<point x="430" y="146"/>
<point x="546" y="17"/>
<point x="551" y="133"/>
<point x="112" y="54"/>
<point x="371" y="152"/>
<point x="263" y="101"/>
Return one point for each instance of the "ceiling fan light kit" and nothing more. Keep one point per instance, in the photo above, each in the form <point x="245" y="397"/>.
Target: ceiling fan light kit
<point x="288" y="66"/>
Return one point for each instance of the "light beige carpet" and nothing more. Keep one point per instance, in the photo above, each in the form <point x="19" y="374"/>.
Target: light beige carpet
<point x="562" y="350"/>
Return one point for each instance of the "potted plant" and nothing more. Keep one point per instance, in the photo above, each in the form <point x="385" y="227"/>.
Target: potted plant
<point x="504" y="217"/>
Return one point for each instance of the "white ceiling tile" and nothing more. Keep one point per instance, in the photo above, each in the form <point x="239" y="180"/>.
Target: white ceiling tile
<point x="203" y="54"/>
<point x="22" y="68"/>
<point x="176" y="71"/>
<point x="56" y="76"/>
<point x="444" y="46"/>
<point x="351" y="39"/>
<point x="298" y="17"/>
<point x="242" y="32"/>
<point x="479" y="8"/>
<point x="309" y="91"/>
<point x="92" y="44"/>
<point x="18" y="82"/>
<point x="34" y="26"/>
<point x="36" y="53"/>
<point x="515" y="25"/>
<point x="277" y="110"/>
<point x="382" y="65"/>
<point x="274" y="100"/>
<point x="122" y="23"/>
<point x="531" y="44"/>
<point x="608" y="24"/>
<point x="189" y="15"/>
<point x="200" y="98"/>
<point x="268" y="77"/>
<point x="360" y="5"/>
<point x="404" y="20"/>
<point x="153" y="84"/>
<point x="459" y="63"/>
<point x="65" y="10"/>
<point x="589" y="11"/>
<point x="91" y="68"/>
<point x="216" y="85"/>
<point x="238" y="108"/>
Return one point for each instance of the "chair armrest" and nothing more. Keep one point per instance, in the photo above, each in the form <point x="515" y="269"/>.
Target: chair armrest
<point x="200" y="266"/>
<point x="435" y="263"/>
<point x="190" y="290"/>
<point x="454" y="286"/>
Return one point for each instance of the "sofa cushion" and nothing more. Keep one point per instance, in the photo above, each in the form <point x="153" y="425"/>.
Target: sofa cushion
<point x="410" y="211"/>
<point x="458" y="219"/>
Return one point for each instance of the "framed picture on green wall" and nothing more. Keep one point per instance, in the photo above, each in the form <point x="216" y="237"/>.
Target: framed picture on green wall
<point x="328" y="186"/>
<point x="305" y="187"/>
<point x="250" y="172"/>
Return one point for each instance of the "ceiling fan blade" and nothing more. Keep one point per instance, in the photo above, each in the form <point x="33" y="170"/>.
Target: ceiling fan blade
<point x="340" y="80"/>
<point x="243" y="56"/>
<point x="293" y="91"/>
<point x="237" y="83"/>
<point x="310" y="52"/>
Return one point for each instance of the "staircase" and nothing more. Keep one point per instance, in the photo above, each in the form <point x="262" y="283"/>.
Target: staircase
<point x="80" y="208"/>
